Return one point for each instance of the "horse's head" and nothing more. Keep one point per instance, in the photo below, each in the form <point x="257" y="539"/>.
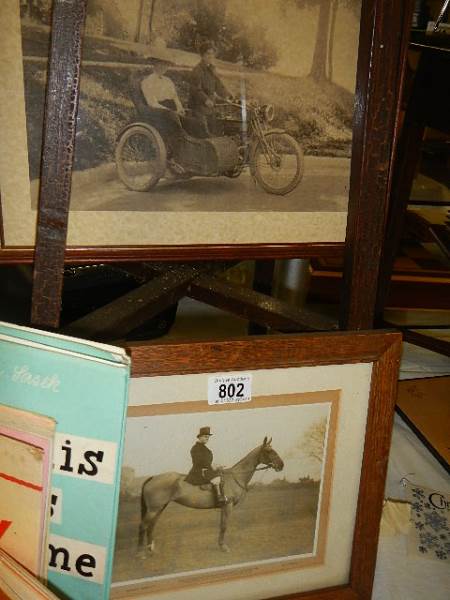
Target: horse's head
<point x="269" y="457"/>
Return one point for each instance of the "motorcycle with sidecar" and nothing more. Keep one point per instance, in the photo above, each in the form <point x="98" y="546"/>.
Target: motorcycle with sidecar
<point x="147" y="150"/>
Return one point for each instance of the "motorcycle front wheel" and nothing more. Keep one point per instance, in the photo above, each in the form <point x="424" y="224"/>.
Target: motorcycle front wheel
<point x="141" y="158"/>
<point x="277" y="163"/>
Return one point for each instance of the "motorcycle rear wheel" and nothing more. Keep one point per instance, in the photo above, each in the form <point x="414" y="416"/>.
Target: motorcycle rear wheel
<point x="277" y="164"/>
<point x="141" y="158"/>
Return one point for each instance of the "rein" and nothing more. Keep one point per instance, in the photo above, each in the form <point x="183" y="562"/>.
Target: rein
<point x="244" y="487"/>
<point x="250" y="470"/>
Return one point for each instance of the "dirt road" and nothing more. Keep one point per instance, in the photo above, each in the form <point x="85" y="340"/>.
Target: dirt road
<point x="324" y="188"/>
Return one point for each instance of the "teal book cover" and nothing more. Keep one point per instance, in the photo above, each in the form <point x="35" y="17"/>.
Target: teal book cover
<point x="84" y="387"/>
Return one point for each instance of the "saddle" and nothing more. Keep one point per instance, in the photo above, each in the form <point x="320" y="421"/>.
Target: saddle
<point x="208" y="487"/>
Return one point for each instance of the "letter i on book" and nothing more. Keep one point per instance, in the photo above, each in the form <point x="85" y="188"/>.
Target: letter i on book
<point x="26" y="451"/>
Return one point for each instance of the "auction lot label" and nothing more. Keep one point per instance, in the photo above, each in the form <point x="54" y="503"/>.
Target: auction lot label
<point x="230" y="388"/>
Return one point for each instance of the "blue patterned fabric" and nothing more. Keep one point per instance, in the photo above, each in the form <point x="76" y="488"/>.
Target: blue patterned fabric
<point x="430" y="523"/>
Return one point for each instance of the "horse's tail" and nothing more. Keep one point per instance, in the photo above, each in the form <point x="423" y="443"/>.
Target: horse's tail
<point x="143" y="504"/>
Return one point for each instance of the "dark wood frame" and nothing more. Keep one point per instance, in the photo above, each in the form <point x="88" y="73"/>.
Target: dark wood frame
<point x="382" y="349"/>
<point x="382" y="36"/>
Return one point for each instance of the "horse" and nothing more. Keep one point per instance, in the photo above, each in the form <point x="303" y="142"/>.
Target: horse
<point x="158" y="491"/>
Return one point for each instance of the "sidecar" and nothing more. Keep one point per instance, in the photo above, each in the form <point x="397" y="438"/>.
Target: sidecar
<point x="160" y="141"/>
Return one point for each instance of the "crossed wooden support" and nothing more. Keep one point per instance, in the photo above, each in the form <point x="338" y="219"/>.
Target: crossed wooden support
<point x="163" y="284"/>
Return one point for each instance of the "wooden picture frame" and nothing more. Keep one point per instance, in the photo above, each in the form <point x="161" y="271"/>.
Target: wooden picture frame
<point x="171" y="380"/>
<point x="383" y="31"/>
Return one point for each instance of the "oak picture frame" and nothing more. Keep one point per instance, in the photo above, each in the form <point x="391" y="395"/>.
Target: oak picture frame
<point x="383" y="41"/>
<point x="379" y="349"/>
<point x="383" y="28"/>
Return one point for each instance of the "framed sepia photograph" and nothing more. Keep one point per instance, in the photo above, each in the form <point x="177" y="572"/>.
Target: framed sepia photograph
<point x="259" y="474"/>
<point x="202" y="126"/>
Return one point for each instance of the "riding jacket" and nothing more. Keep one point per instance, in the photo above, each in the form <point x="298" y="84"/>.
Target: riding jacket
<point x="202" y="471"/>
<point x="205" y="84"/>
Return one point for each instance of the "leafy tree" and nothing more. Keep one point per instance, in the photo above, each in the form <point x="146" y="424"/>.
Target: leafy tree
<point x="112" y="23"/>
<point x="169" y="16"/>
<point x="235" y="41"/>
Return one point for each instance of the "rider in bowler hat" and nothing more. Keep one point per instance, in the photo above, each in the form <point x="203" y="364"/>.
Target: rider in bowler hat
<point x="202" y="471"/>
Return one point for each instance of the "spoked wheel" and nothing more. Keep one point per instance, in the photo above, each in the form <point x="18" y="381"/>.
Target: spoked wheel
<point x="277" y="163"/>
<point x="234" y="173"/>
<point x="141" y="158"/>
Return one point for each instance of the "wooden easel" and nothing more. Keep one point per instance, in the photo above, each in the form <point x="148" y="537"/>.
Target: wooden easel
<point x="382" y="53"/>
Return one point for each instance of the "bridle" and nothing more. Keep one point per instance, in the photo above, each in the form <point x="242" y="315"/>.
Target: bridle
<point x="245" y="487"/>
<point x="270" y="465"/>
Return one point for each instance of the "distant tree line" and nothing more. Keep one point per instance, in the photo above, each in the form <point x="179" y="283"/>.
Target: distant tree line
<point x="185" y="24"/>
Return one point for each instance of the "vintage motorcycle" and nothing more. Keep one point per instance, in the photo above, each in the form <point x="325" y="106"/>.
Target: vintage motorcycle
<point x="146" y="151"/>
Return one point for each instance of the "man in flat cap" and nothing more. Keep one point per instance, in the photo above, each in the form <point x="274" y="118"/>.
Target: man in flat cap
<point x="207" y="89"/>
<point x="202" y="471"/>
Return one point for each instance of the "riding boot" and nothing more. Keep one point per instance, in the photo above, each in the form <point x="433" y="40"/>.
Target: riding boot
<point x="221" y="499"/>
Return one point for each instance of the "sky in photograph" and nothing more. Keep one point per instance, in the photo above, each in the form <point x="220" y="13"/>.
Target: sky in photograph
<point x="162" y="443"/>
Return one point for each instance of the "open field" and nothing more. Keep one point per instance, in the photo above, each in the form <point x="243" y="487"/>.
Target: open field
<point x="272" y="521"/>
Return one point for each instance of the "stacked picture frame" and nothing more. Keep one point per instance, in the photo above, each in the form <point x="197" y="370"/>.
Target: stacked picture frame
<point x="315" y="420"/>
<point x="264" y="227"/>
<point x="323" y="77"/>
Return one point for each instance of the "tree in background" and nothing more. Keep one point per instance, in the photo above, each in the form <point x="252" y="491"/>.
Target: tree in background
<point x="313" y="442"/>
<point x="235" y="40"/>
<point x="105" y="17"/>
<point x="322" y="62"/>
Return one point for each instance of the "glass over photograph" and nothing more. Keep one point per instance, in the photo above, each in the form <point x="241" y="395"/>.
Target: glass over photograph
<point x="200" y="121"/>
<point x="225" y="489"/>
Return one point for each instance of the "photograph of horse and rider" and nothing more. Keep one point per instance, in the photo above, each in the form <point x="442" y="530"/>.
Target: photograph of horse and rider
<point x="205" y="105"/>
<point x="229" y="488"/>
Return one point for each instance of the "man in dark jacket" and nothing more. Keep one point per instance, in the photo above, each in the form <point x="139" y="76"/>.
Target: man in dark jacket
<point x="202" y="471"/>
<point x="206" y="89"/>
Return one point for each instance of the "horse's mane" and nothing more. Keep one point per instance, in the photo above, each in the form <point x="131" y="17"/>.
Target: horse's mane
<point x="256" y="450"/>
